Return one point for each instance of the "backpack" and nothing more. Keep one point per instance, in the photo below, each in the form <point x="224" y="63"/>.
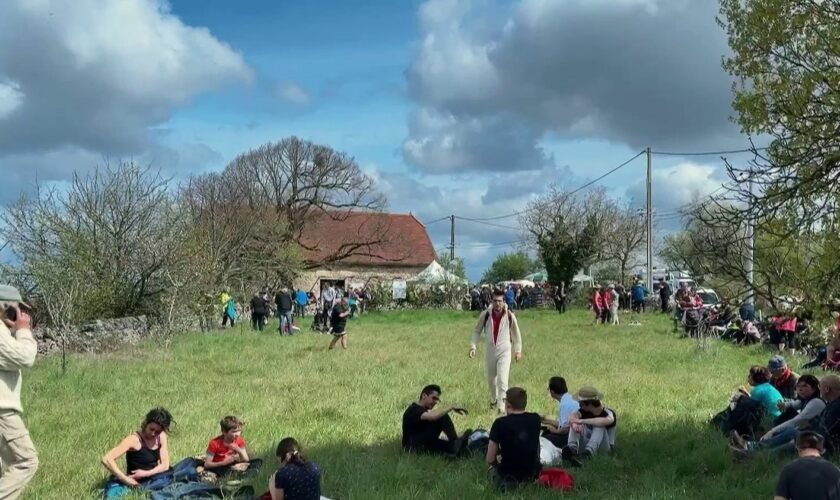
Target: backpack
<point x="478" y="442"/>
<point x="487" y="317"/>
<point x="556" y="479"/>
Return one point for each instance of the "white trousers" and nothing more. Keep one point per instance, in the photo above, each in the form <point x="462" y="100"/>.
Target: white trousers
<point x="497" y="367"/>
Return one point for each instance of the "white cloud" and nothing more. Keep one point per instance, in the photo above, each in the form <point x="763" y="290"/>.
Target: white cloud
<point x="634" y="72"/>
<point x="293" y="93"/>
<point x="96" y="74"/>
<point x="10" y="98"/>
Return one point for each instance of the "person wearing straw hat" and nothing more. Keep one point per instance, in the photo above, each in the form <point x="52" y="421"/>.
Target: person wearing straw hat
<point x="592" y="427"/>
<point x="17" y="350"/>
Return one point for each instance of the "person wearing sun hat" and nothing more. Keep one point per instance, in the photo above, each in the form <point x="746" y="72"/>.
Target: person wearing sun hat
<point x="593" y="426"/>
<point x="17" y="350"/>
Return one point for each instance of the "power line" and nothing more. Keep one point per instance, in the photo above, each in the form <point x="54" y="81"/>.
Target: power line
<point x="436" y="221"/>
<point x="488" y="223"/>
<point x="581" y="188"/>
<point x="606" y="174"/>
<point x="707" y="153"/>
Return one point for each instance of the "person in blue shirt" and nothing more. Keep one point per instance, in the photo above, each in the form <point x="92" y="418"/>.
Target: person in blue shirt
<point x="301" y="301"/>
<point x="763" y="391"/>
<point x="638" y="293"/>
<point x="509" y="298"/>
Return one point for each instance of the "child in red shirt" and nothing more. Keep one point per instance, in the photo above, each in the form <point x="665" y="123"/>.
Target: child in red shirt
<point x="227" y="452"/>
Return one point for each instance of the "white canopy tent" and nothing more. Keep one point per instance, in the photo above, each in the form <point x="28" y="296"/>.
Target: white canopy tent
<point x="436" y="274"/>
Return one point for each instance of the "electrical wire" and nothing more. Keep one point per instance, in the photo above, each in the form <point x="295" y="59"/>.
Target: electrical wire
<point x="581" y="188"/>
<point x="488" y="223"/>
<point x="707" y="153"/>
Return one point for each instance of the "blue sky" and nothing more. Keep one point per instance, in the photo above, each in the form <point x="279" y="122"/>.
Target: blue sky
<point x="471" y="107"/>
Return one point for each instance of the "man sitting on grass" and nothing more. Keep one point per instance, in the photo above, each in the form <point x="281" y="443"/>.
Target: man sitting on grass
<point x="422" y="426"/>
<point x="558" y="430"/>
<point x="809" y="477"/>
<point x="782" y="378"/>
<point x="592" y="427"/>
<point x="513" y="454"/>
<point x="226" y="452"/>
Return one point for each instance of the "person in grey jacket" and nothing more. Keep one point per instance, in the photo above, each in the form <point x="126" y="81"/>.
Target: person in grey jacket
<point x="17" y="350"/>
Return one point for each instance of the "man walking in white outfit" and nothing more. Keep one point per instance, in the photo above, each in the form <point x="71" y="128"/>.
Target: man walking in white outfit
<point x="502" y="332"/>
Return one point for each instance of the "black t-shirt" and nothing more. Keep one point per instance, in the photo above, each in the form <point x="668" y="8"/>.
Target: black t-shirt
<point x="258" y="305"/>
<point x="518" y="437"/>
<point x="809" y="478"/>
<point x="415" y="430"/>
<point x="338" y="322"/>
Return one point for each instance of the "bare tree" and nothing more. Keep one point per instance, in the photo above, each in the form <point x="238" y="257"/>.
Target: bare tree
<point x="625" y="236"/>
<point x="101" y="246"/>
<point x="300" y="180"/>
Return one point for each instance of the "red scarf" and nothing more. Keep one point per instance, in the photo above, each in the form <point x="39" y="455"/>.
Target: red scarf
<point x="781" y="381"/>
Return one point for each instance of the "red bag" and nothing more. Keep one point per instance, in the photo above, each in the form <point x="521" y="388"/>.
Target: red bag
<point x="556" y="479"/>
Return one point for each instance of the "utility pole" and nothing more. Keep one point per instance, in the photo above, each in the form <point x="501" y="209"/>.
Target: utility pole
<point x="451" y="238"/>
<point x="649" y="214"/>
<point x="750" y="299"/>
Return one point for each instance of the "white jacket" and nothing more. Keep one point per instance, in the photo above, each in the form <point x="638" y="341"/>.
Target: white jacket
<point x="508" y="332"/>
<point x="17" y="350"/>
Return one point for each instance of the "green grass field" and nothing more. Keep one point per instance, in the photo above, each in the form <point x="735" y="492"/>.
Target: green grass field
<point x="345" y="407"/>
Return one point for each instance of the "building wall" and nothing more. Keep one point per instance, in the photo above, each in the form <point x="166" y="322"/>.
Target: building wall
<point x="354" y="276"/>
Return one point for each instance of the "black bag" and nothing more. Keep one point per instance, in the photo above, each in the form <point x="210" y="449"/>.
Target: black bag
<point x="746" y="418"/>
<point x="477" y="442"/>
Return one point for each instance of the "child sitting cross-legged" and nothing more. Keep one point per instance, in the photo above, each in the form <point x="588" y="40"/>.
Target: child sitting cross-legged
<point x="227" y="453"/>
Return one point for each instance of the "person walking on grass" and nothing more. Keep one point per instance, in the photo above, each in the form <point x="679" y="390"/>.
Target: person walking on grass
<point x="17" y="350"/>
<point x="283" y="300"/>
<point x="614" y="302"/>
<point x="338" y="322"/>
<point x="664" y="295"/>
<point x="328" y="296"/>
<point x="259" y="310"/>
<point x="502" y="335"/>
<point x="809" y="477"/>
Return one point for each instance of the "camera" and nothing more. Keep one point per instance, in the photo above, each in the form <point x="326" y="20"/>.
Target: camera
<point x="10" y="313"/>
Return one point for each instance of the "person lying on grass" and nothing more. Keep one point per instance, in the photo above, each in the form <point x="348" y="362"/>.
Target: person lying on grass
<point x="809" y="407"/>
<point x="146" y="457"/>
<point x="558" y="430"/>
<point x="593" y="427"/>
<point x="422" y="426"/>
<point x="297" y="478"/>
<point x="513" y="454"/>
<point x="809" y="477"/>
<point x="226" y="452"/>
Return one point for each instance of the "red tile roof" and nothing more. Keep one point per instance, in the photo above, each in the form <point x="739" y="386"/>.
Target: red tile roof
<point x="365" y="238"/>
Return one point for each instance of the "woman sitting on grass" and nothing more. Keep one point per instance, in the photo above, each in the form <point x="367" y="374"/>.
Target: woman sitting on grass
<point x="296" y="479"/>
<point x="146" y="457"/>
<point x="809" y="405"/>
<point x="763" y="391"/>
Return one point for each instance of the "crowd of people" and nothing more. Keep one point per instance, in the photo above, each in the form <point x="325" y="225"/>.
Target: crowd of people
<point x="783" y="413"/>
<point x="330" y="310"/>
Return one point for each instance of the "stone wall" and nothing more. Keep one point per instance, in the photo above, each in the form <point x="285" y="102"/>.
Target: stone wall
<point x="99" y="336"/>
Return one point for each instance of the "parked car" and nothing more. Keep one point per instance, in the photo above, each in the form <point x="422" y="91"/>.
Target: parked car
<point x="707" y="295"/>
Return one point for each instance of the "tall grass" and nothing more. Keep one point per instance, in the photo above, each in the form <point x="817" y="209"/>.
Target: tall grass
<point x="345" y="407"/>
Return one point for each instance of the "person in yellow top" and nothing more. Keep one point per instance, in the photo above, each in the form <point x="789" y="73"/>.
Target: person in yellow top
<point x="17" y="350"/>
